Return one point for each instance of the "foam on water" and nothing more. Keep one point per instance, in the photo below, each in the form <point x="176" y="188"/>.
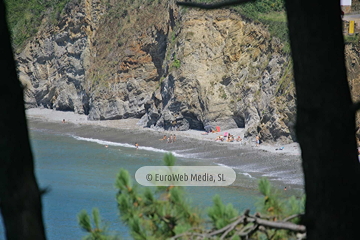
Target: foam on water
<point x="127" y="145"/>
<point x="253" y="168"/>
<point x="246" y="170"/>
<point x="243" y="173"/>
<point x="248" y="174"/>
<point x="267" y="171"/>
<point x="285" y="176"/>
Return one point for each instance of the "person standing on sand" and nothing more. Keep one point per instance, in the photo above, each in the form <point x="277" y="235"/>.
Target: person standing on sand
<point x="257" y="140"/>
<point x="174" y="138"/>
<point x="136" y="145"/>
<point x="239" y="139"/>
<point x="171" y="138"/>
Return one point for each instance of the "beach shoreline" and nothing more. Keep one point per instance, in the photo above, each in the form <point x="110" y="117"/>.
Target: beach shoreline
<point x="282" y="166"/>
<point x="49" y="115"/>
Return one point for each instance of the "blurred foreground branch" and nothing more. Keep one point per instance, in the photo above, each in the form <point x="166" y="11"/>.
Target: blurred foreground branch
<point x="214" y="5"/>
<point x="246" y="225"/>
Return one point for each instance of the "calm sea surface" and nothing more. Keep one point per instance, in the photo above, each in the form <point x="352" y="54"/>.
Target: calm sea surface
<point x="81" y="175"/>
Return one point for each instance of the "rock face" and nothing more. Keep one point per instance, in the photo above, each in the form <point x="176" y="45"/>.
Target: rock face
<point x="224" y="71"/>
<point x="171" y="68"/>
<point x="53" y="62"/>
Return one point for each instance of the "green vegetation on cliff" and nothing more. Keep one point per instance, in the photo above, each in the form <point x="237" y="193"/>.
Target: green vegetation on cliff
<point x="269" y="12"/>
<point x="25" y="16"/>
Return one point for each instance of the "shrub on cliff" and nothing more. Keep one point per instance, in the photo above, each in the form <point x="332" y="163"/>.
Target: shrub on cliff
<point x="24" y="17"/>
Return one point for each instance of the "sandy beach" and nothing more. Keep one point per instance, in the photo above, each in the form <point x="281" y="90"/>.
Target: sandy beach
<point x="48" y="115"/>
<point x="282" y="166"/>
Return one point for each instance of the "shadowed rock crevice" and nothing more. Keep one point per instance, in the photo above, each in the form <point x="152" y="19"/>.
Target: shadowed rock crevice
<point x="157" y="51"/>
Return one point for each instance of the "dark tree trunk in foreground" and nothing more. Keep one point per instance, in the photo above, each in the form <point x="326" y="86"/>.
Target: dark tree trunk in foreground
<point x="20" y="202"/>
<point x="325" y="120"/>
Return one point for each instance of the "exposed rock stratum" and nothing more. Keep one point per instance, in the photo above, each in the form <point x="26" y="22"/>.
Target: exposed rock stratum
<point x="169" y="67"/>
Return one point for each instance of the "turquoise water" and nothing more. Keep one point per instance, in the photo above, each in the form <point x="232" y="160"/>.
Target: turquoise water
<point x="81" y="175"/>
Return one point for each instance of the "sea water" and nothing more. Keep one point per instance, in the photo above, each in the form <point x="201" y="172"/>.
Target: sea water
<point x="80" y="174"/>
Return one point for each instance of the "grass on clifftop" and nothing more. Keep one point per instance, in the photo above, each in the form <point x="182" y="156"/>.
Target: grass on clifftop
<point x="269" y="12"/>
<point x="354" y="39"/>
<point x="24" y="17"/>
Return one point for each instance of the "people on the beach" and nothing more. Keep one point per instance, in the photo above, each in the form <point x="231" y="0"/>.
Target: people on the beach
<point x="239" y="139"/>
<point x="257" y="140"/>
<point x="63" y="120"/>
<point x="170" y="139"/>
<point x="106" y="146"/>
<point x="285" y="189"/>
<point x="136" y="145"/>
<point x="230" y="138"/>
<point x="220" y="138"/>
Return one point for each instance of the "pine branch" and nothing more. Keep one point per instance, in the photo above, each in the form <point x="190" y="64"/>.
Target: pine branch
<point x="258" y="224"/>
<point x="230" y="226"/>
<point x="281" y="225"/>
<point x="292" y="217"/>
<point x="246" y="232"/>
<point x="214" y="5"/>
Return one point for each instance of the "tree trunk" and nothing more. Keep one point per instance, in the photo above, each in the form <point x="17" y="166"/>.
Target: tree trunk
<point x="20" y="202"/>
<point x="325" y="120"/>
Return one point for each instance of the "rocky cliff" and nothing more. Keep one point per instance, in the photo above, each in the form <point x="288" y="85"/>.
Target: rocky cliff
<point x="171" y="67"/>
<point x="53" y="64"/>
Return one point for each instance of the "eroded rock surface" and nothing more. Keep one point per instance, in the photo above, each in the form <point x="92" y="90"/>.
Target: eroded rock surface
<point x="171" y="68"/>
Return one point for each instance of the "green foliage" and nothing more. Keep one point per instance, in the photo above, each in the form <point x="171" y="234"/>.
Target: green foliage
<point x="285" y="86"/>
<point x="176" y="63"/>
<point x="277" y="207"/>
<point x="172" y="36"/>
<point x="253" y="9"/>
<point x="84" y="221"/>
<point x="271" y="203"/>
<point x="222" y="92"/>
<point x="169" y="160"/>
<point x="156" y="214"/>
<point x="352" y="38"/>
<point x="269" y="12"/>
<point x="95" y="230"/>
<point x="220" y="214"/>
<point x="163" y="212"/>
<point x="24" y="17"/>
